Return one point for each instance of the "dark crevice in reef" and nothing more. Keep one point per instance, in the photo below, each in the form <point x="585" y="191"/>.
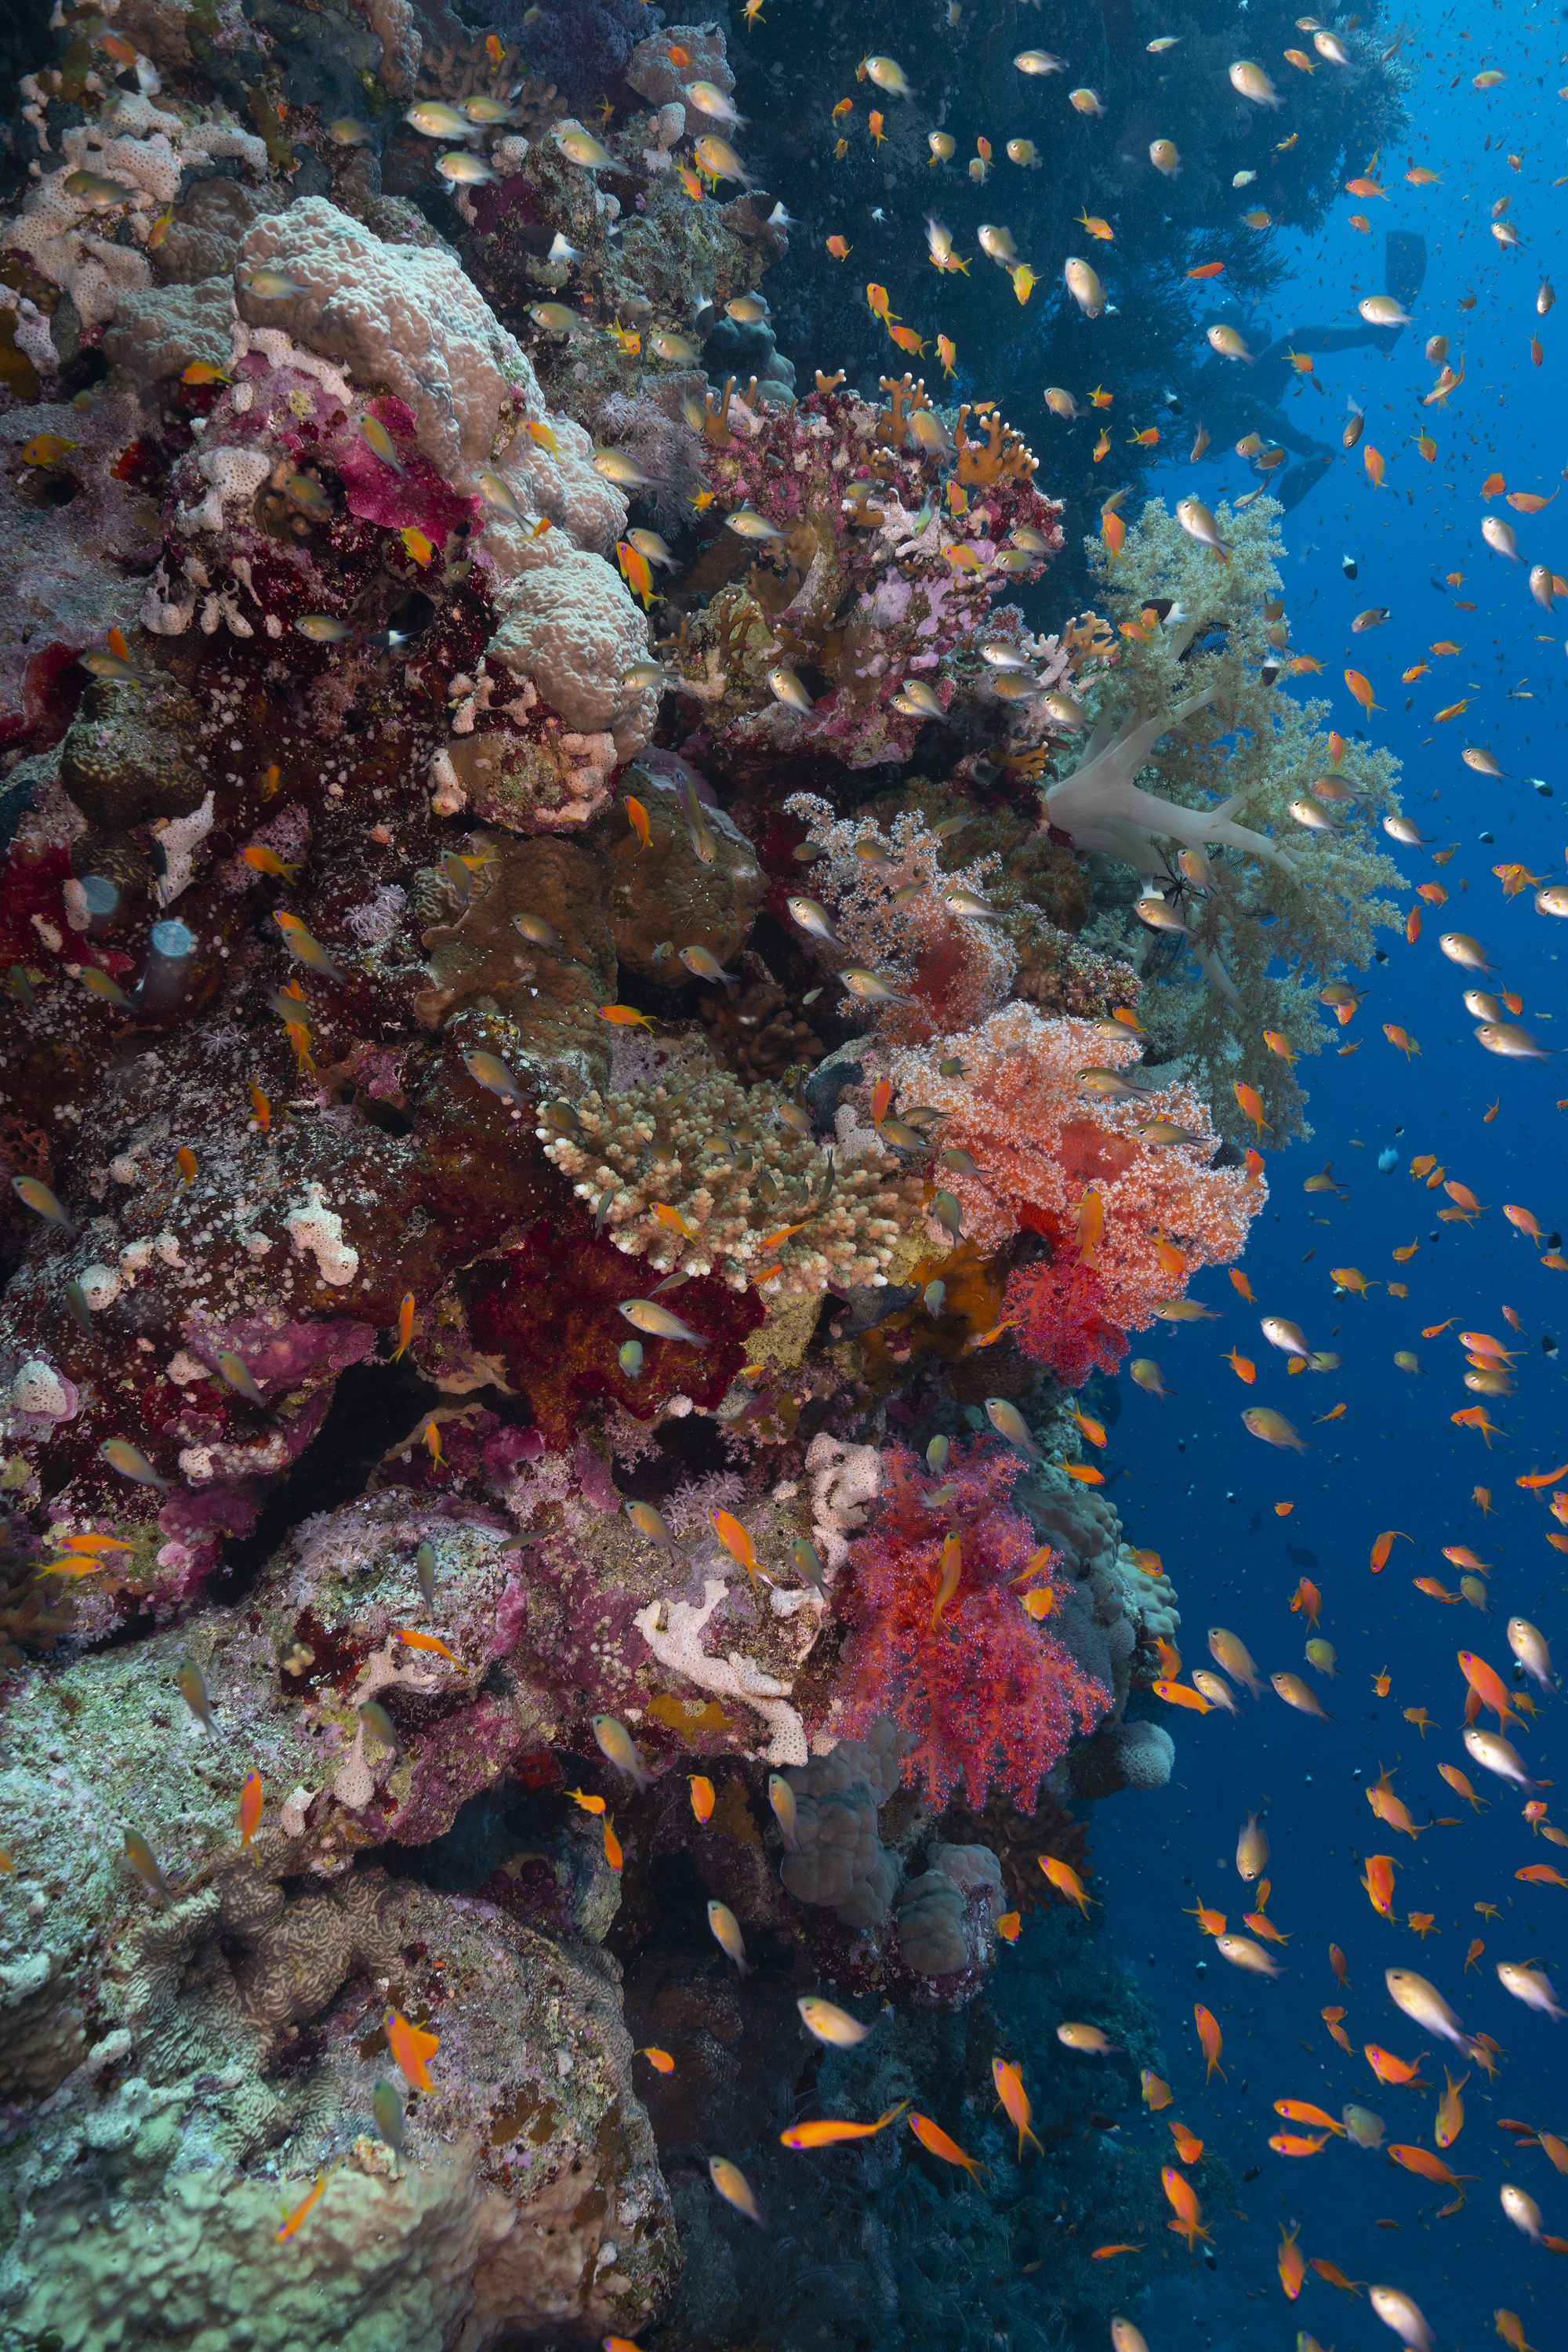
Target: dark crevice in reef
<point x="372" y="1406"/>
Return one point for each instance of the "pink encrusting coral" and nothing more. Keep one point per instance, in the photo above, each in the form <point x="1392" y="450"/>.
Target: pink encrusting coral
<point x="1043" y="1143"/>
<point x="991" y="1698"/>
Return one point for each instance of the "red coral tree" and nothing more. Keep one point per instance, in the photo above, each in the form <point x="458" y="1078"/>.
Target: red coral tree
<point x="991" y="1696"/>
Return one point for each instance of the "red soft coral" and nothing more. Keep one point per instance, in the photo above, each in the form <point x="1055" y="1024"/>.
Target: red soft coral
<point x="1058" y="1311"/>
<point x="990" y="1697"/>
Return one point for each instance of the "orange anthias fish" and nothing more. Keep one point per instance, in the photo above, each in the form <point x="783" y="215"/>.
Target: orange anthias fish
<point x="1390" y="2069"/>
<point x="404" y="1325"/>
<point x="1296" y="2144"/>
<point x="416" y="1640"/>
<point x="1421" y="2160"/>
<point x="613" y="1852"/>
<point x="1292" y="2265"/>
<point x="298" y="2216"/>
<point x="638" y="816"/>
<point x="1211" y="1923"/>
<point x="933" y="2136"/>
<point x="1389" y="1808"/>
<point x="1334" y="2019"/>
<point x="829" y="2132"/>
<point x="411" y="2049"/>
<point x="1334" y="2275"/>
<point x="1300" y="2111"/>
<point x="1383" y="1544"/>
<point x="1242" y="1284"/>
<point x="702" y="1797"/>
<point x="1211" y="2041"/>
<point x="1307" y="1597"/>
<point x="1489" y="1689"/>
<point x="1067" y="1882"/>
<point x="1156" y="2094"/>
<point x="1188" y="2222"/>
<point x="1014" y="2099"/>
<point x="1378" y="1882"/>
<point x="1189" y="2146"/>
<point x="250" y="1813"/>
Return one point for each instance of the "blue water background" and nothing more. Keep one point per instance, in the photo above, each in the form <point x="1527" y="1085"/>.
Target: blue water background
<point x="1201" y="1491"/>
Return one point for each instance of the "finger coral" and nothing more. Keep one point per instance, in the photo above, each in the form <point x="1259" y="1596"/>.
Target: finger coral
<point x="1043" y="1146"/>
<point x="991" y="1698"/>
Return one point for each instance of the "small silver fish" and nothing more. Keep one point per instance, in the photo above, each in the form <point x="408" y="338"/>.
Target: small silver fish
<point x="921" y="698"/>
<point x="380" y="1726"/>
<point x="707" y="966"/>
<point x="387" y="2108"/>
<point x="937" y="1453"/>
<point x="80" y="1312"/>
<point x="703" y="840"/>
<point x="491" y="1072"/>
<point x="348" y="133"/>
<point x="132" y="1464"/>
<point x="949" y="1215"/>
<point x="536" y="929"/>
<point x="964" y="902"/>
<point x="113" y="666"/>
<point x="726" y="1931"/>
<point x="933" y="1296"/>
<point x="958" y="1162"/>
<point x="322" y="629"/>
<point x="36" y="1196"/>
<point x="193" y="1691"/>
<point x="645" y="1518"/>
<point x="1009" y="1423"/>
<point x="804" y="1556"/>
<point x="270" y="285"/>
<point x="834" y="2026"/>
<point x="870" y="987"/>
<point x="658" y="1322"/>
<point x="432" y="119"/>
<point x="631" y="1359"/>
<point x="616" y="1744"/>
<point x="102" y="985"/>
<point x="308" y="496"/>
<point x="236" y="1371"/>
<point x="497" y="495"/>
<point x="466" y="171"/>
<point x="781" y="1797"/>
<point x="746" y="524"/>
<point x="378" y="441"/>
<point x="812" y="915"/>
<point x="425" y="1569"/>
<point x="140" y="1856"/>
<point x="783" y="683"/>
<point x="561" y="253"/>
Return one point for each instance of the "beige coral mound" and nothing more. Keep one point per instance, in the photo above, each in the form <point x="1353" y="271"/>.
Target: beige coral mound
<point x="1021" y="1114"/>
<point x="708" y="1179"/>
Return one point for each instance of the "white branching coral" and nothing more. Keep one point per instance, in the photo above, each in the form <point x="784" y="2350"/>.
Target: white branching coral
<point x="1193" y="735"/>
<point x="706" y="1179"/>
<point x="958" y="968"/>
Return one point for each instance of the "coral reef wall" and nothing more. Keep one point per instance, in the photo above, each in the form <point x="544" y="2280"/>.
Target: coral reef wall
<point x="579" y="1092"/>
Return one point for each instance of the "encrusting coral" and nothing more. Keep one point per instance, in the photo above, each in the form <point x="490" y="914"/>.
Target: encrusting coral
<point x="1281" y="871"/>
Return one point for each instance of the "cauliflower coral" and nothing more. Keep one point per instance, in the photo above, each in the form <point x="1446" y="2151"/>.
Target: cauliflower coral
<point x="989" y="1694"/>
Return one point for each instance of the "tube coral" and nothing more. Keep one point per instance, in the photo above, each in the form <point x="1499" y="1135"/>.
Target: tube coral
<point x="991" y="1698"/>
<point x="1192" y="711"/>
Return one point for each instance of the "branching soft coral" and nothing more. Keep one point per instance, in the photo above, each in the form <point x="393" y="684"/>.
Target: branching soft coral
<point x="1190" y="737"/>
<point x="1042" y="1145"/>
<point x="991" y="1698"/>
<point x="955" y="967"/>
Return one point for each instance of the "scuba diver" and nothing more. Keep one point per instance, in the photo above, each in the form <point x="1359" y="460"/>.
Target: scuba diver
<point x="1234" y="400"/>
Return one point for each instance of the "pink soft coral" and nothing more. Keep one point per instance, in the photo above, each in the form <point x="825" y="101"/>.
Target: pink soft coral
<point x="1042" y="1147"/>
<point x="991" y="1698"/>
<point x="1056" y="1308"/>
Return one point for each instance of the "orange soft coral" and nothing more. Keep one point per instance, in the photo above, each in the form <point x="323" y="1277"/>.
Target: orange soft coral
<point x="1042" y="1144"/>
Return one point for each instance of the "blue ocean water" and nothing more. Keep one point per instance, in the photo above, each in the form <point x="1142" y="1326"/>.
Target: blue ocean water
<point x="1202" y="1492"/>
